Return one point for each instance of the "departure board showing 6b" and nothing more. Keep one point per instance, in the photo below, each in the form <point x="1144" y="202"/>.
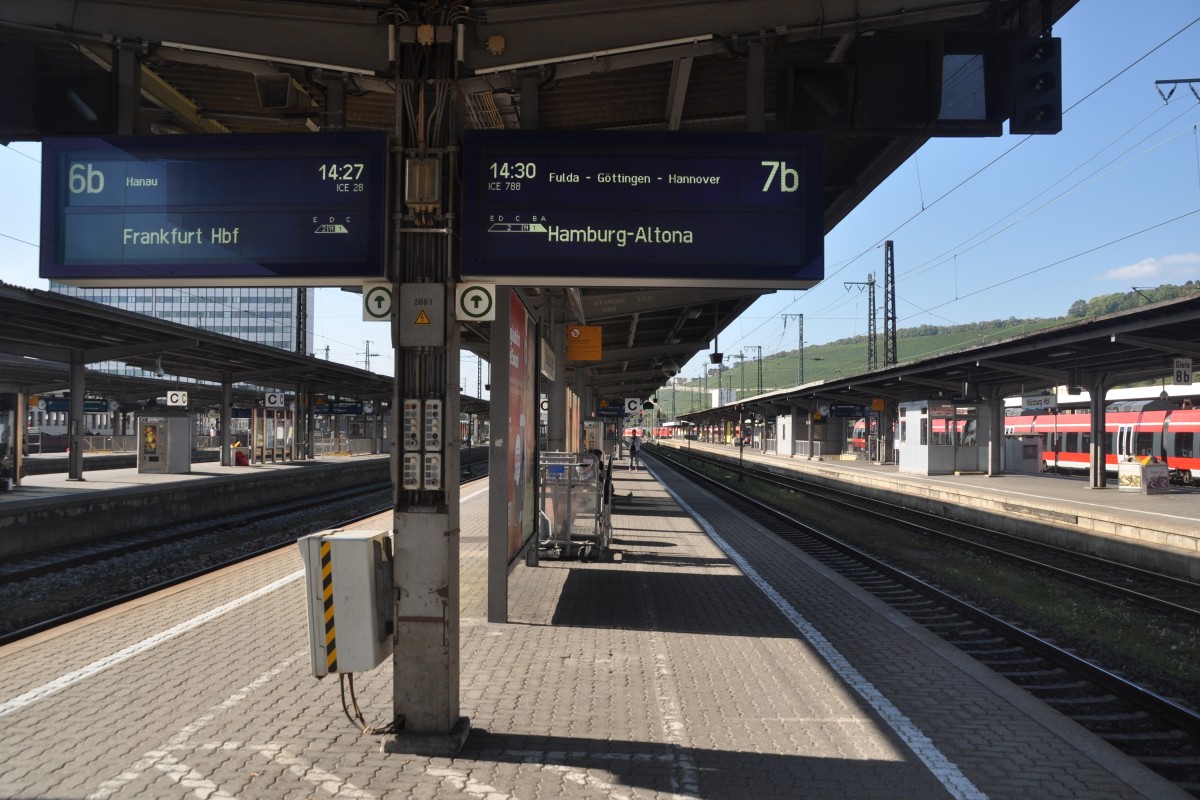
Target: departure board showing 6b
<point x="296" y="209"/>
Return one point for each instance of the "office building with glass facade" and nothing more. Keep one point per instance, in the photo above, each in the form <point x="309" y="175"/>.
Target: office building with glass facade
<point x="262" y="315"/>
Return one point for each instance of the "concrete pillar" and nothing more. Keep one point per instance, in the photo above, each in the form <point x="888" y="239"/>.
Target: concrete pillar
<point x="226" y="418"/>
<point x="75" y="419"/>
<point x="556" y="384"/>
<point x="995" y="454"/>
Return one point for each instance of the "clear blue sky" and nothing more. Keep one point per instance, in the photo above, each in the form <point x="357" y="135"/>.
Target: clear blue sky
<point x="983" y="228"/>
<point x="1020" y="226"/>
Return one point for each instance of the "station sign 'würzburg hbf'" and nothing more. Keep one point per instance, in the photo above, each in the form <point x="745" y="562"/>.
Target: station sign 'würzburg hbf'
<point x="572" y="208"/>
<point x="217" y="210"/>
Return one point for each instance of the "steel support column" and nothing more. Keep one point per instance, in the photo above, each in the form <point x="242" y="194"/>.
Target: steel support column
<point x="425" y="529"/>
<point x="1098" y="452"/>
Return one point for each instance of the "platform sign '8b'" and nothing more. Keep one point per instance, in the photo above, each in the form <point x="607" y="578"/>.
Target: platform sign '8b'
<point x="1183" y="372"/>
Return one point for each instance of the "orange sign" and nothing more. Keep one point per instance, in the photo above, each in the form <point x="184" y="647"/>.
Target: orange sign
<point x="583" y="342"/>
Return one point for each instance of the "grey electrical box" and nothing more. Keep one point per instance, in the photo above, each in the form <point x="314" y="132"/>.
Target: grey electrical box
<point x="423" y="184"/>
<point x="348" y="579"/>
<point x="422" y="314"/>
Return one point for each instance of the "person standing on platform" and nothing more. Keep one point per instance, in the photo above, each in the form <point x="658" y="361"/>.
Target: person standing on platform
<point x="633" y="452"/>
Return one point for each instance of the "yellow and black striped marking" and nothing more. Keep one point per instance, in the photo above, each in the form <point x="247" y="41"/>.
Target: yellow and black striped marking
<point x="327" y="593"/>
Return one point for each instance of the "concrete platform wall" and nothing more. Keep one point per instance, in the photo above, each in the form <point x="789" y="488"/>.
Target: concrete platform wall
<point x="32" y="526"/>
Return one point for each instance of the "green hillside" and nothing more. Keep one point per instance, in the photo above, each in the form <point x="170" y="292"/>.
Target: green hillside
<point x="846" y="357"/>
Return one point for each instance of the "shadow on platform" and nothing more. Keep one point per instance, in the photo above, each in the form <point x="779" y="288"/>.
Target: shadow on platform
<point x="668" y="768"/>
<point x="683" y="602"/>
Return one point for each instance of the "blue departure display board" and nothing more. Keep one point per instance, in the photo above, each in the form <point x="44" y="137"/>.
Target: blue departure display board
<point x="236" y="210"/>
<point x="571" y="208"/>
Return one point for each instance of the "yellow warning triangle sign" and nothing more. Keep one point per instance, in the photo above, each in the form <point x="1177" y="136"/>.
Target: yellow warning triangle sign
<point x="422" y="319"/>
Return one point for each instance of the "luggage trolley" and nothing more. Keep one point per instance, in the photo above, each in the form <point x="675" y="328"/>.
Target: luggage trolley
<point x="576" y="514"/>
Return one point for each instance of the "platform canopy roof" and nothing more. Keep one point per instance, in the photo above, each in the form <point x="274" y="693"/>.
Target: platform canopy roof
<point x="250" y="66"/>
<point x="43" y="333"/>
<point x="1126" y="347"/>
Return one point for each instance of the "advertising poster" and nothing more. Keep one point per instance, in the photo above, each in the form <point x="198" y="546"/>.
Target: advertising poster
<point x="522" y="425"/>
<point x="150" y="440"/>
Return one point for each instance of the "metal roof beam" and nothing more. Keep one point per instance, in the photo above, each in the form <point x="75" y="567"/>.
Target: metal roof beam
<point x="920" y="380"/>
<point x="123" y="352"/>
<point x="314" y="35"/>
<point x="584" y="30"/>
<point x="631" y="378"/>
<point x="1163" y="345"/>
<point x="162" y="94"/>
<point x="652" y="351"/>
<point x="681" y="72"/>
<point x="62" y="355"/>
<point x="1059" y="376"/>
<point x="598" y="307"/>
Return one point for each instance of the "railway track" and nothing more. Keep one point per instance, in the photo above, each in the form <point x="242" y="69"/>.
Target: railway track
<point x="1161" y="732"/>
<point x="1178" y="597"/>
<point x="59" y="586"/>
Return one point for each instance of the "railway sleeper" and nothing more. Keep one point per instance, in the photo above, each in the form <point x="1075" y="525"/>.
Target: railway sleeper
<point x="1119" y="717"/>
<point x="1145" y="736"/>
<point x="1092" y="700"/>
<point x="1022" y="657"/>
<point x="914" y="604"/>
<point x="887" y="589"/>
<point x="1171" y="761"/>
<point x="1055" y="687"/>
<point x="946" y="622"/>
<point x="1025" y="674"/>
<point x="982" y="648"/>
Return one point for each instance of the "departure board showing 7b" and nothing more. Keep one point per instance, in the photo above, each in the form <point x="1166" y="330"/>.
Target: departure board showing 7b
<point x="294" y="209"/>
<point x="564" y="208"/>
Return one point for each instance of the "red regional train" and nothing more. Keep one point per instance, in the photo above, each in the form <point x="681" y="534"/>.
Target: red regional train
<point x="1065" y="439"/>
<point x="640" y="431"/>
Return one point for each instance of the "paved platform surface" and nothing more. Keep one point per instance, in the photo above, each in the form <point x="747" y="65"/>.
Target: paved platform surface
<point x="713" y="662"/>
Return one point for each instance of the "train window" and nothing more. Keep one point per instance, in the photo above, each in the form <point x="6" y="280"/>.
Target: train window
<point x="1085" y="442"/>
<point x="1072" y="443"/>
<point x="1145" y="444"/>
<point x="1046" y="443"/>
<point x="966" y="432"/>
<point x="1183" y="445"/>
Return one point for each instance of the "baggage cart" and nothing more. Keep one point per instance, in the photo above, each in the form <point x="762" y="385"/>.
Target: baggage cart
<point x="575" y="512"/>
